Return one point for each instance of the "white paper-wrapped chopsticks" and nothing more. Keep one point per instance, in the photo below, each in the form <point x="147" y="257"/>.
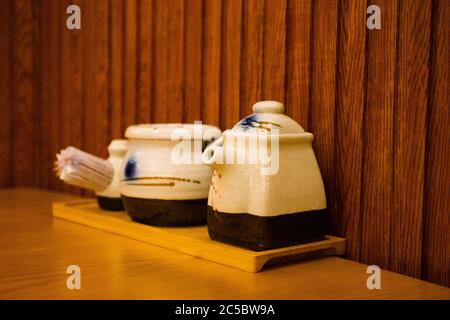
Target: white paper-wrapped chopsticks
<point x="82" y="169"/>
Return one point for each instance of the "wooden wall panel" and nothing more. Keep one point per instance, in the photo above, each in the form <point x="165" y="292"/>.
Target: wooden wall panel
<point x="274" y="59"/>
<point x="71" y="82"/>
<point x="129" y="64"/>
<point x="378" y="169"/>
<point x="231" y="63"/>
<point x="70" y="103"/>
<point x="175" y="61"/>
<point x="298" y="60"/>
<point x="323" y="107"/>
<point x="160" y="60"/>
<point x="24" y="98"/>
<point x="375" y="100"/>
<point x="252" y="54"/>
<point x="436" y="242"/>
<point x="212" y="60"/>
<point x="116" y="22"/>
<point x="49" y="84"/>
<point x="95" y="77"/>
<point x="349" y="118"/>
<point x="144" y="66"/>
<point x="192" y="88"/>
<point x="6" y="20"/>
<point x="409" y="136"/>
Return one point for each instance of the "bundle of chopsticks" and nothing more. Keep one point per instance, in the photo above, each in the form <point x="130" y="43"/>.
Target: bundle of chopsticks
<point x="84" y="170"/>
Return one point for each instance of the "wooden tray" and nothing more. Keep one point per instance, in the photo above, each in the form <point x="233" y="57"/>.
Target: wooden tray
<point x="193" y="241"/>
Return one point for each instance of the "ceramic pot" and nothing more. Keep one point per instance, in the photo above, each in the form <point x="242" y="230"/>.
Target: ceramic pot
<point x="109" y="198"/>
<point x="163" y="179"/>
<point x="266" y="191"/>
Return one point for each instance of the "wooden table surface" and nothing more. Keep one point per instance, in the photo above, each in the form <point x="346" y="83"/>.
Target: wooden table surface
<point x="36" y="249"/>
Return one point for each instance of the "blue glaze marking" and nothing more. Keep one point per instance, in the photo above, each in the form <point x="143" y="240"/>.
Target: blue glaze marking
<point x="130" y="168"/>
<point x="248" y="122"/>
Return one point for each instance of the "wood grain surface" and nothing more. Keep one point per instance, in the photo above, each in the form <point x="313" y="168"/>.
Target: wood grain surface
<point x="192" y="86"/>
<point x="378" y="169"/>
<point x="116" y="23"/>
<point x="351" y="62"/>
<point x="211" y="64"/>
<point x="298" y="60"/>
<point x="71" y="93"/>
<point x="436" y="248"/>
<point x="252" y="54"/>
<point x="24" y="93"/>
<point x="375" y="100"/>
<point x="144" y="65"/>
<point x="6" y="27"/>
<point x="230" y="80"/>
<point x="193" y="241"/>
<point x="175" y="61"/>
<point x="322" y="113"/>
<point x="274" y="58"/>
<point x="37" y="250"/>
<point x="409" y="136"/>
<point x="160" y="61"/>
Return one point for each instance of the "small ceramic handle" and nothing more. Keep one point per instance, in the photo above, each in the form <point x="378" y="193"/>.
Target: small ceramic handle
<point x="268" y="107"/>
<point x="213" y="153"/>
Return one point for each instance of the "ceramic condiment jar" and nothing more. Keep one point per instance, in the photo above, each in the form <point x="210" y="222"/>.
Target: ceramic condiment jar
<point x="261" y="204"/>
<point x="109" y="198"/>
<point x="159" y="190"/>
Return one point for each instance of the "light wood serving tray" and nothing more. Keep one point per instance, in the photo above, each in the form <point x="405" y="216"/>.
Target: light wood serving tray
<point x="193" y="241"/>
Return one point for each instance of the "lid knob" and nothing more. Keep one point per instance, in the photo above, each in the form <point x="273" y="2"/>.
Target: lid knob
<point x="268" y="107"/>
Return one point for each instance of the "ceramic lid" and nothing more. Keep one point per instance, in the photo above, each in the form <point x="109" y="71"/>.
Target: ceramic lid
<point x="118" y="145"/>
<point x="268" y="115"/>
<point x="168" y="131"/>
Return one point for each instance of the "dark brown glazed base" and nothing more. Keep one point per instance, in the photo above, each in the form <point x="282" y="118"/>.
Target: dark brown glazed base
<point x="169" y="213"/>
<point x="110" y="204"/>
<point x="263" y="233"/>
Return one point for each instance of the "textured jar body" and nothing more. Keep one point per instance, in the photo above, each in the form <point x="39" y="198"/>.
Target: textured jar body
<point x="266" y="191"/>
<point x="157" y="190"/>
<point x="296" y="186"/>
<point x="109" y="199"/>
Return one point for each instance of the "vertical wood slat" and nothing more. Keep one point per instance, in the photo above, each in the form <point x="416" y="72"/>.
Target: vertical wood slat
<point x="298" y="60"/>
<point x="95" y="77"/>
<point x="231" y="63"/>
<point x="192" y="61"/>
<point x="50" y="84"/>
<point x="71" y="81"/>
<point x="378" y="167"/>
<point x="252" y="54"/>
<point x="45" y="117"/>
<point x="129" y="63"/>
<point x="410" y="116"/>
<point x="71" y="86"/>
<point x="175" y="61"/>
<point x="6" y="8"/>
<point x="436" y="242"/>
<point x="274" y="50"/>
<point x="144" y="66"/>
<point x="211" y="64"/>
<point x="323" y="109"/>
<point x="36" y="93"/>
<point x="160" y="53"/>
<point x="24" y="98"/>
<point x="115" y="82"/>
<point x="349" y="118"/>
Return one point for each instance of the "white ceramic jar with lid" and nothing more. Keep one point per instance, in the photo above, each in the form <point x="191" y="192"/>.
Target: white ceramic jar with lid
<point x="163" y="180"/>
<point x="266" y="190"/>
<point x="109" y="198"/>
